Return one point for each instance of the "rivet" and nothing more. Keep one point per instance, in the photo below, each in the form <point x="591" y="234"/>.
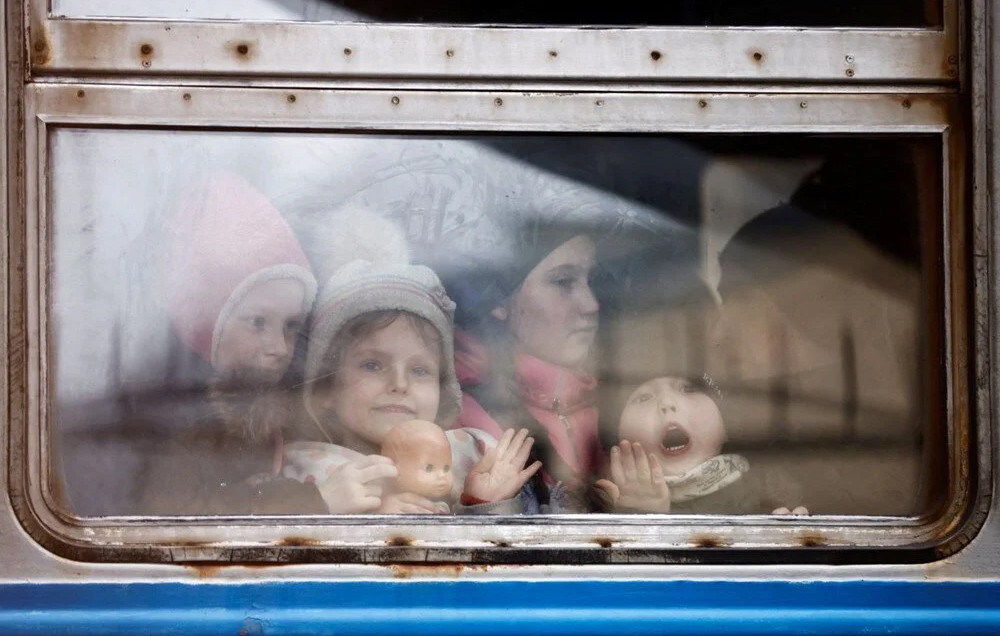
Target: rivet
<point x="498" y="101"/>
<point x="291" y="99"/>
<point x="146" y="63"/>
<point x="347" y="50"/>
<point x="953" y="59"/>
<point x="907" y="103"/>
<point x="849" y="59"/>
<point x="655" y="55"/>
<point x="553" y="53"/>
<point x="242" y="49"/>
<point x="599" y="102"/>
<point x="803" y="105"/>
<point x="952" y="72"/>
<point x="80" y="93"/>
<point x="395" y="100"/>
<point x="146" y="49"/>
<point x="39" y="46"/>
<point x="702" y="103"/>
<point x="757" y="56"/>
<point x="849" y="72"/>
<point x="187" y="97"/>
<point x="449" y="53"/>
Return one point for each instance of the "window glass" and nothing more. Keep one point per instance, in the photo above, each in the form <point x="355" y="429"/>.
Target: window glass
<point x="839" y="13"/>
<point x="722" y="324"/>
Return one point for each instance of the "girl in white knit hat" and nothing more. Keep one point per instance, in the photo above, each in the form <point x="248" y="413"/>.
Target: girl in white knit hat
<point x="381" y="354"/>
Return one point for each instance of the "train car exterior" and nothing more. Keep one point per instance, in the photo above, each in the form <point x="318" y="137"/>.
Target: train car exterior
<point x="679" y="125"/>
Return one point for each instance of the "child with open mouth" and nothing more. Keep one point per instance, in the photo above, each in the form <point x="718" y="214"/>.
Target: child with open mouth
<point x="670" y="457"/>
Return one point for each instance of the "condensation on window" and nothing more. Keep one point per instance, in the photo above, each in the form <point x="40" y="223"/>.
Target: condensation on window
<point x="279" y="323"/>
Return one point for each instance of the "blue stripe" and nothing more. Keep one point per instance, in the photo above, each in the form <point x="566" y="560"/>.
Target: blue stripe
<point x="503" y="607"/>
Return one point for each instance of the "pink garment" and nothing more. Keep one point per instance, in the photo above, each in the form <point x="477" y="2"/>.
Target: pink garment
<point x="561" y="400"/>
<point x="224" y="237"/>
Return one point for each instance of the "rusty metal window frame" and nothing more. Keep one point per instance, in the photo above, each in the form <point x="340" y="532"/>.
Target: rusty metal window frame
<point x="544" y="539"/>
<point x="295" y="53"/>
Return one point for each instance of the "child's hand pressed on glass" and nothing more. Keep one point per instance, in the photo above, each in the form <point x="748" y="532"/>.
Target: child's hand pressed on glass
<point x="637" y="481"/>
<point x="500" y="474"/>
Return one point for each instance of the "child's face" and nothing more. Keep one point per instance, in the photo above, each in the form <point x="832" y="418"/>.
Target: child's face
<point x="425" y="469"/>
<point x="676" y="421"/>
<point x="385" y="378"/>
<point x="259" y="337"/>
<point x="553" y="314"/>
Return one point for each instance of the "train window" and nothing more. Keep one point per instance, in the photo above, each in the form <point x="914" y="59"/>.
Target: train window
<point x="755" y="316"/>
<point x="849" y="13"/>
<point x="857" y="43"/>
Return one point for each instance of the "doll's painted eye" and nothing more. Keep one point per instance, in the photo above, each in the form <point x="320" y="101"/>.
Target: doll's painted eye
<point x="257" y="322"/>
<point x="429" y="468"/>
<point x="447" y="468"/>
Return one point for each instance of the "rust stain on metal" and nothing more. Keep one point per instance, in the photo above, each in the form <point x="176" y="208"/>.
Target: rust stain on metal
<point x="708" y="541"/>
<point x="906" y="103"/>
<point x="41" y="48"/>
<point x="450" y="570"/>
<point x="812" y="541"/>
<point x="204" y="571"/>
<point x="656" y="55"/>
<point x="604" y="542"/>
<point x="297" y="541"/>
<point x="399" y="542"/>
<point x="242" y="49"/>
<point x="146" y="52"/>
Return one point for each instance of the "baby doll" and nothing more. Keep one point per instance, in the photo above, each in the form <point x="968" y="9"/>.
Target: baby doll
<point x="670" y="456"/>
<point x="422" y="455"/>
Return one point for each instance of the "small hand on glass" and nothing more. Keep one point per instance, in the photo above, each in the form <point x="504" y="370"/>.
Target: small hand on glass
<point x="637" y="482"/>
<point x="500" y="474"/>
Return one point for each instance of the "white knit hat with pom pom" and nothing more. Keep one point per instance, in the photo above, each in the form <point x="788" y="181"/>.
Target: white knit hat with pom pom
<point x="364" y="260"/>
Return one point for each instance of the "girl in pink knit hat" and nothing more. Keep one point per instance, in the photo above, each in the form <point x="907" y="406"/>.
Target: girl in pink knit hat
<point x="237" y="286"/>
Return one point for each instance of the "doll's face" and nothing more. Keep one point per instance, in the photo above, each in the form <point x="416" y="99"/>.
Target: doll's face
<point x="385" y="378"/>
<point x="675" y="420"/>
<point x="553" y="314"/>
<point x="259" y="337"/>
<point x="425" y="468"/>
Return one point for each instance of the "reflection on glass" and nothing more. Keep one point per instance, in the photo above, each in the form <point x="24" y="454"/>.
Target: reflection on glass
<point x="296" y="324"/>
<point x="833" y="13"/>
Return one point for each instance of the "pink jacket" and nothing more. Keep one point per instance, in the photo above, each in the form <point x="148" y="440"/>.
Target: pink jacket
<point x="561" y="400"/>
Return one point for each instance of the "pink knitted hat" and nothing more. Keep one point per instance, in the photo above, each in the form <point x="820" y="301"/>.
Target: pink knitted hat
<point x="224" y="239"/>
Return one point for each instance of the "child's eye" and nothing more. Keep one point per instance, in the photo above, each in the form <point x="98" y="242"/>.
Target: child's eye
<point x="642" y="397"/>
<point x="257" y="322"/>
<point x="429" y="468"/>
<point x="371" y="365"/>
<point x="422" y="371"/>
<point x="293" y="326"/>
<point x="564" y="283"/>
